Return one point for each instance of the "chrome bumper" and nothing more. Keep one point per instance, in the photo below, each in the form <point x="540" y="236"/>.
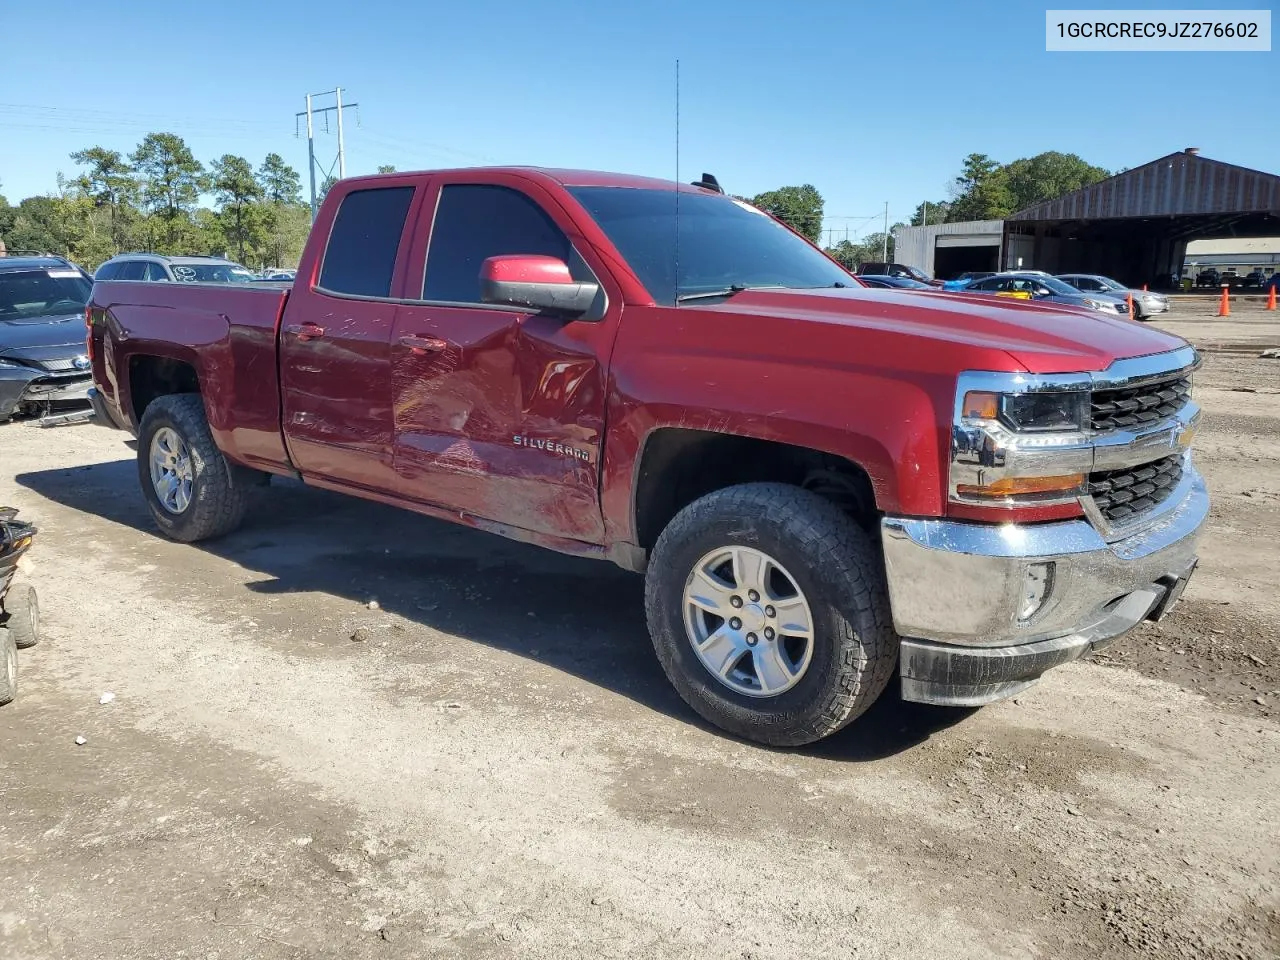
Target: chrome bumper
<point x="957" y="591"/>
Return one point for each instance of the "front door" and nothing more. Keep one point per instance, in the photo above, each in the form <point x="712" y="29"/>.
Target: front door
<point x="499" y="412"/>
<point x="335" y="345"/>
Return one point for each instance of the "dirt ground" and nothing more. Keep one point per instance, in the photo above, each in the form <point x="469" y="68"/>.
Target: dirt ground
<point x="489" y="763"/>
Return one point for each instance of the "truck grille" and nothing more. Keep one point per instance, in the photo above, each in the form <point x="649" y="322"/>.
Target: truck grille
<point x="1120" y="407"/>
<point x="1124" y="494"/>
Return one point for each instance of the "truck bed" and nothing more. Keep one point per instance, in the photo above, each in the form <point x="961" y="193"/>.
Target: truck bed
<point x="226" y="333"/>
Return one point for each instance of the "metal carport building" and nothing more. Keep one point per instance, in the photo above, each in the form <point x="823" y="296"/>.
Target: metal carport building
<point x="1134" y="226"/>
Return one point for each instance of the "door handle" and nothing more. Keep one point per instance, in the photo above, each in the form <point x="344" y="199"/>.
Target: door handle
<point x="305" y="331"/>
<point x="421" y="345"/>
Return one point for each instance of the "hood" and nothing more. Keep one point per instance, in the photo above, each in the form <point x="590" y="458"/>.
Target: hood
<point x="42" y="334"/>
<point x="1036" y="337"/>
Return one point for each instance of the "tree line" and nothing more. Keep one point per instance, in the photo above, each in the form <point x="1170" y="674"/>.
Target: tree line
<point x="151" y="200"/>
<point x="984" y="190"/>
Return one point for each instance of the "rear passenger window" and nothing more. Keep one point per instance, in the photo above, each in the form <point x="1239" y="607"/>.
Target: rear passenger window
<point x="132" y="270"/>
<point x="361" y="256"/>
<point x="474" y="222"/>
<point x="107" y="271"/>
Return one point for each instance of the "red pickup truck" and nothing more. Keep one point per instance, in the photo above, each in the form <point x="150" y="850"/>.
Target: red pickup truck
<point x="820" y="482"/>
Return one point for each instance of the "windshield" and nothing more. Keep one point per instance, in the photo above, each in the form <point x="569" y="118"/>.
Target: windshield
<point x="42" y="293"/>
<point x="211" y="273"/>
<point x="1058" y="286"/>
<point x="723" y="243"/>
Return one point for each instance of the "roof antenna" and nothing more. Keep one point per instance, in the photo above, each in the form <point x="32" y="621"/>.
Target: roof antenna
<point x="709" y="182"/>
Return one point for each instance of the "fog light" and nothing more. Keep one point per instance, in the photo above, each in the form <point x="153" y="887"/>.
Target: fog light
<point x="1037" y="584"/>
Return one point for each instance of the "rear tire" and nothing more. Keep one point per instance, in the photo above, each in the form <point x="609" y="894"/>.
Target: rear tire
<point x="193" y="491"/>
<point x="23" y="607"/>
<point x="830" y="675"/>
<point x="8" y="667"/>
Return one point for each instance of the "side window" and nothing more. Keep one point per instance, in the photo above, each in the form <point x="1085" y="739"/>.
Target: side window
<point x="476" y="221"/>
<point x="132" y="270"/>
<point x="157" y="273"/>
<point x="361" y="256"/>
<point x="107" y="271"/>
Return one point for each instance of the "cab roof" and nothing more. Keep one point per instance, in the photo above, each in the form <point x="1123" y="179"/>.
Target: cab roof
<point x="563" y="176"/>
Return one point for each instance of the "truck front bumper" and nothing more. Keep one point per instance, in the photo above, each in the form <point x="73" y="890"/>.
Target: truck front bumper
<point x="983" y="609"/>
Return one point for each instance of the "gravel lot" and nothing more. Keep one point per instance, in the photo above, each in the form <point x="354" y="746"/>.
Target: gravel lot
<point x="489" y="762"/>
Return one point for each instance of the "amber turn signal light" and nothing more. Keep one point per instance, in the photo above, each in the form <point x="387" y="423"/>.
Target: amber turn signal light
<point x="1021" y="486"/>
<point x="980" y="405"/>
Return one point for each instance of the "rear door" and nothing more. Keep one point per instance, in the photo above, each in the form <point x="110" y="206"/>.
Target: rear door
<point x="335" y="361"/>
<point x="499" y="412"/>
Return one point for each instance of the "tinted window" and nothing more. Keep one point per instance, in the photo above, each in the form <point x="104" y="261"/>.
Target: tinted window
<point x="723" y="243"/>
<point x="55" y="291"/>
<point x="132" y="270"/>
<point x="361" y="256"/>
<point x="107" y="271"/>
<point x="157" y="273"/>
<point x="474" y="222"/>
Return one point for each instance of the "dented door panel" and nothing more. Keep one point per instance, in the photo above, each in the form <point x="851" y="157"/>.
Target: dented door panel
<point x="506" y="421"/>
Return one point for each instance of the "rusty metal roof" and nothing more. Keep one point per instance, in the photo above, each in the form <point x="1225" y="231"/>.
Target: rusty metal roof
<point x="1181" y="184"/>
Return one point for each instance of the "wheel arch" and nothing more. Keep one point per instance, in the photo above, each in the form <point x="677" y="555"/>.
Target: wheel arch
<point x="677" y="465"/>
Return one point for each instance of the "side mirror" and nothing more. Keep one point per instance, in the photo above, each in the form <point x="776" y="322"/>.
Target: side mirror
<point x="543" y="283"/>
<point x="1043" y="292"/>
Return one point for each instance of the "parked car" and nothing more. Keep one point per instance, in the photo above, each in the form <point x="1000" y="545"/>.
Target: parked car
<point x="1208" y="277"/>
<point x="825" y="488"/>
<point x="1254" y="280"/>
<point x="1043" y="287"/>
<point x="966" y="278"/>
<point x="897" y="270"/>
<point x="158" y="268"/>
<point x="905" y="283"/>
<point x="1146" y="303"/>
<point x="1272" y="282"/>
<point x="275" y="275"/>
<point x="43" y="361"/>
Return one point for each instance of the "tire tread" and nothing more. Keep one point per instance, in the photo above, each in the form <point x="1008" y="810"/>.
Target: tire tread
<point x="834" y="542"/>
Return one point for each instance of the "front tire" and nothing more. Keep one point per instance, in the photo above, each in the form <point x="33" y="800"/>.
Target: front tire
<point x="768" y="610"/>
<point x="23" y="609"/>
<point x="8" y="667"/>
<point x="193" y="491"/>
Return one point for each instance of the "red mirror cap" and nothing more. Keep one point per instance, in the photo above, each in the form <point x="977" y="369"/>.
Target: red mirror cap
<point x="525" y="268"/>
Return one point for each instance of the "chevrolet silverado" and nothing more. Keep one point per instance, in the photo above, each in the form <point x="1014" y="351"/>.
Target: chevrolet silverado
<point x="827" y="487"/>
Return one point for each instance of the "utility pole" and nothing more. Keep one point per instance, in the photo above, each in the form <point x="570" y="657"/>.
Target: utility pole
<point x="311" y="159"/>
<point x="924" y="221"/>
<point x="884" y="252"/>
<point x="340" y="162"/>
<point x="342" y="154"/>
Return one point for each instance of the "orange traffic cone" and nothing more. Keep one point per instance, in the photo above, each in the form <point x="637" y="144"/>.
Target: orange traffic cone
<point x="1129" y="299"/>
<point x="1271" y="298"/>
<point x="1224" y="308"/>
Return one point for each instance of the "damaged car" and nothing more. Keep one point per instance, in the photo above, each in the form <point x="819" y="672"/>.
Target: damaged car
<point x="44" y="365"/>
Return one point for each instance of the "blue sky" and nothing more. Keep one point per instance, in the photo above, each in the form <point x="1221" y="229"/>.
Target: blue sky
<point x="868" y="106"/>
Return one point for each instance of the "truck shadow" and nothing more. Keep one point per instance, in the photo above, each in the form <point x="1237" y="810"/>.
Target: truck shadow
<point x="584" y="617"/>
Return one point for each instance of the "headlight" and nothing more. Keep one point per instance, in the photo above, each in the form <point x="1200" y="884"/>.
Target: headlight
<point x="1093" y="304"/>
<point x="1030" y="412"/>
<point x="1020" y="439"/>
